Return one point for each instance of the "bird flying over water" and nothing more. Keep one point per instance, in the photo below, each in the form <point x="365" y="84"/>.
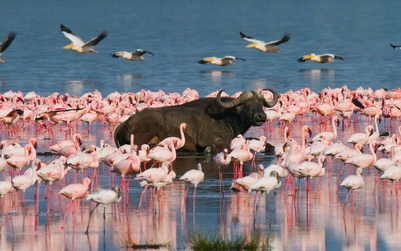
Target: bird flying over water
<point x="4" y="45"/>
<point x="324" y="58"/>
<point x="220" y="61"/>
<point x="263" y="46"/>
<point x="133" y="56"/>
<point x="78" y="44"/>
<point x="397" y="47"/>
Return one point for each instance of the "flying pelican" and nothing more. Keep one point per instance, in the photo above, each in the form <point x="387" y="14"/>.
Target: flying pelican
<point x="325" y="58"/>
<point x="263" y="46"/>
<point x="133" y="56"/>
<point x="78" y="44"/>
<point x="220" y="61"/>
<point x="4" y="45"/>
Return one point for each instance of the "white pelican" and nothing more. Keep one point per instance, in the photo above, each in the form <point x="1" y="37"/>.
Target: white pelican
<point x="397" y="47"/>
<point x="78" y="44"/>
<point x="4" y="45"/>
<point x="325" y="58"/>
<point x="263" y="46"/>
<point x="220" y="61"/>
<point x="133" y="56"/>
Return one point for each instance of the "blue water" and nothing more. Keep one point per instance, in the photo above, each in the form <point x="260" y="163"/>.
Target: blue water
<point x="180" y="33"/>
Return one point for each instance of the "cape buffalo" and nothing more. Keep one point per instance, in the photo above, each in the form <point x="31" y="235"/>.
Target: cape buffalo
<point x="212" y="122"/>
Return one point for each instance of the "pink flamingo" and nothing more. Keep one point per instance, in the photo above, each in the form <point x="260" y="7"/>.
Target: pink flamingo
<point x="237" y="142"/>
<point x="162" y="154"/>
<point x="89" y="118"/>
<point x="353" y="182"/>
<point x="179" y="142"/>
<point x="143" y="154"/>
<point x="364" y="160"/>
<point x="21" y="160"/>
<point x="247" y="181"/>
<point x="152" y="176"/>
<point x="6" y="187"/>
<point x="310" y="169"/>
<point x="53" y="172"/>
<point x="362" y="138"/>
<point x="61" y="144"/>
<point x="392" y="173"/>
<point x="104" y="197"/>
<point x="336" y="148"/>
<point x="128" y="166"/>
<point x="330" y="136"/>
<point x="266" y="184"/>
<point x="23" y="182"/>
<point x="194" y="176"/>
<point x="75" y="191"/>
<point x="240" y="156"/>
<point x="222" y="160"/>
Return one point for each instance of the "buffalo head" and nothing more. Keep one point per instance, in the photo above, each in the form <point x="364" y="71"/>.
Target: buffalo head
<point x="249" y="105"/>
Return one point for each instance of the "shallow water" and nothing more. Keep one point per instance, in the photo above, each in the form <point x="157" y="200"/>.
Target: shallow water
<point x="316" y="220"/>
<point x="181" y="33"/>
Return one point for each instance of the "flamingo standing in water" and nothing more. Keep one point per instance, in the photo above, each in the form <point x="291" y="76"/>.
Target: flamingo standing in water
<point x="330" y="136"/>
<point x="152" y="176"/>
<point x="194" y="176"/>
<point x="360" y="137"/>
<point x="21" y="160"/>
<point x="247" y="181"/>
<point x="5" y="187"/>
<point x="89" y="117"/>
<point x="353" y="182"/>
<point x="222" y="160"/>
<point x="75" y="191"/>
<point x="266" y="184"/>
<point x="104" y="197"/>
<point x="240" y="155"/>
<point x="162" y="154"/>
<point x="364" y="160"/>
<point x="392" y="173"/>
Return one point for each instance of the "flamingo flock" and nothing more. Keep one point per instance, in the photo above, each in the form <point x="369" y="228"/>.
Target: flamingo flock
<point x="296" y="157"/>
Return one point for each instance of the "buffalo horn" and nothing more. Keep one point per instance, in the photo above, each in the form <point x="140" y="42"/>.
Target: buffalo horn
<point x="272" y="102"/>
<point x="229" y="104"/>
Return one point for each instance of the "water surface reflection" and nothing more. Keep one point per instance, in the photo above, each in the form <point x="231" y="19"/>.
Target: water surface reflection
<point x="314" y="220"/>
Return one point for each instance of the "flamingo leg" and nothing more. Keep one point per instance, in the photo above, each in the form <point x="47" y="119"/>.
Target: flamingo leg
<point x="90" y="216"/>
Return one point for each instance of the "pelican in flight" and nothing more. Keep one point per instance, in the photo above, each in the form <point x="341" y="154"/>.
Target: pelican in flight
<point x="398" y="47"/>
<point x="324" y="58"/>
<point x="220" y="61"/>
<point x="78" y="44"/>
<point x="263" y="46"/>
<point x="4" y="45"/>
<point x="133" y="56"/>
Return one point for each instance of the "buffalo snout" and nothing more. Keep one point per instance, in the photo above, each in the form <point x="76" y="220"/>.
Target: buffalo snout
<point x="260" y="117"/>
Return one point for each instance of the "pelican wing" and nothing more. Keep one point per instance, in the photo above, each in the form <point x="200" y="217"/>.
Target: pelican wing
<point x="251" y="39"/>
<point x="232" y="58"/>
<point x="77" y="41"/>
<point x="286" y="37"/>
<point x="398" y="47"/>
<point x="4" y="45"/>
<point x="97" y="39"/>
<point x="140" y="52"/>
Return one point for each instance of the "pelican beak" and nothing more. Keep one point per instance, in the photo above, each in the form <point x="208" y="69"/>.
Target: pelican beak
<point x="2" y="60"/>
<point x="306" y="57"/>
<point x="251" y="45"/>
<point x="68" y="47"/>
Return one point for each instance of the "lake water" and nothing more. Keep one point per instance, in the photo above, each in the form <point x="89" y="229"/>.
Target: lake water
<point x="180" y="33"/>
